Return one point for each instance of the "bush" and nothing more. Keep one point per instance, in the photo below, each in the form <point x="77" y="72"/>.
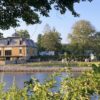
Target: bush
<point x="71" y="88"/>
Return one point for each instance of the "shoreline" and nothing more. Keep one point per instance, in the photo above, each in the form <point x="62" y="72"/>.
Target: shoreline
<point x="41" y="69"/>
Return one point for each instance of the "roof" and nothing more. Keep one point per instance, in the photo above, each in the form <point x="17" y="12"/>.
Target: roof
<point x="17" y="41"/>
<point x="15" y="34"/>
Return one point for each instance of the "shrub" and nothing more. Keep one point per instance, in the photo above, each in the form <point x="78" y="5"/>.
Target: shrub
<point x="71" y="88"/>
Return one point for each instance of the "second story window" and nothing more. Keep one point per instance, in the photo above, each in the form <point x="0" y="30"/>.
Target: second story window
<point x="0" y="52"/>
<point x="8" y="42"/>
<point x="20" y="51"/>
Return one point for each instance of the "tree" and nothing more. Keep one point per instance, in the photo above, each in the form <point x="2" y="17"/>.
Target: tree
<point x="81" y="36"/>
<point x="11" y="11"/>
<point x="64" y="48"/>
<point x="96" y="46"/>
<point x="39" y="40"/>
<point x="23" y="33"/>
<point x="51" y="41"/>
<point x="1" y="35"/>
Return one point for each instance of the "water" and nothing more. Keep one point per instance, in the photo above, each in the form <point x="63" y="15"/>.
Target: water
<point x="20" y="78"/>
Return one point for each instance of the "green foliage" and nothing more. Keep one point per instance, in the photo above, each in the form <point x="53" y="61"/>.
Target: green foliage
<point x="81" y="38"/>
<point x="51" y="41"/>
<point x="23" y="33"/>
<point x="53" y="63"/>
<point x="39" y="43"/>
<point x="13" y="93"/>
<point x="81" y="87"/>
<point x="82" y="33"/>
<point x="96" y="46"/>
<point x="49" y="63"/>
<point x="1" y="35"/>
<point x="11" y="11"/>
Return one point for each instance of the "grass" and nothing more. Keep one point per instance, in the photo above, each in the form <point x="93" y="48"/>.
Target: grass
<point x="46" y="64"/>
<point x="55" y="64"/>
<point x="60" y="64"/>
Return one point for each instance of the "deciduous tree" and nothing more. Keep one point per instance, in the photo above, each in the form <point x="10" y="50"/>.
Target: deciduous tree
<point x="82" y="35"/>
<point x="51" y="41"/>
<point x="23" y="33"/>
<point x="11" y="11"/>
<point x="1" y="35"/>
<point x="39" y="43"/>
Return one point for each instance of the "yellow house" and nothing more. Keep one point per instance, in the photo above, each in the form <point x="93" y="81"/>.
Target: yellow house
<point x="16" y="49"/>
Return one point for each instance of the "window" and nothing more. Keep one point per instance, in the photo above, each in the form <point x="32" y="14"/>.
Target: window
<point x="20" y="42"/>
<point x="20" y="51"/>
<point x="8" y="52"/>
<point x="8" y="42"/>
<point x="7" y="58"/>
<point x="0" y="52"/>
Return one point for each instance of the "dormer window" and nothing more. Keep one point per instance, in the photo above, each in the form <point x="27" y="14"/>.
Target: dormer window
<point x="8" y="42"/>
<point x="20" y="42"/>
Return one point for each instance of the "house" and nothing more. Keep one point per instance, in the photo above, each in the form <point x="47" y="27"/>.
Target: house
<point x="16" y="49"/>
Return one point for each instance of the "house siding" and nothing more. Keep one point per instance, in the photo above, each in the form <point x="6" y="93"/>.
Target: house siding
<point x="15" y="51"/>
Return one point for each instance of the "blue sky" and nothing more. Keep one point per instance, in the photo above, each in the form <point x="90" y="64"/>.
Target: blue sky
<point x="63" y="23"/>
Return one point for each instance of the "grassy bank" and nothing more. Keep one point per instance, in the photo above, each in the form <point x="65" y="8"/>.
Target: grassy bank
<point x="60" y="64"/>
<point x="56" y="64"/>
<point x="52" y="66"/>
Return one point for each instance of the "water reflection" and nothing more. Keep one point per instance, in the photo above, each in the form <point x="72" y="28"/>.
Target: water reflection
<point x="20" y="78"/>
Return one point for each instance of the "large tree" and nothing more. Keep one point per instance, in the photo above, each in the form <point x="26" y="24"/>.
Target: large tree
<point x="39" y="43"/>
<point x="1" y="35"/>
<point x="51" y="41"/>
<point x="11" y="11"/>
<point x="96" y="46"/>
<point x="23" y="33"/>
<point x="82" y="36"/>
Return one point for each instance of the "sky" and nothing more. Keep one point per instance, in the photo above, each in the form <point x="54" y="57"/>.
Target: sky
<point x="63" y="23"/>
